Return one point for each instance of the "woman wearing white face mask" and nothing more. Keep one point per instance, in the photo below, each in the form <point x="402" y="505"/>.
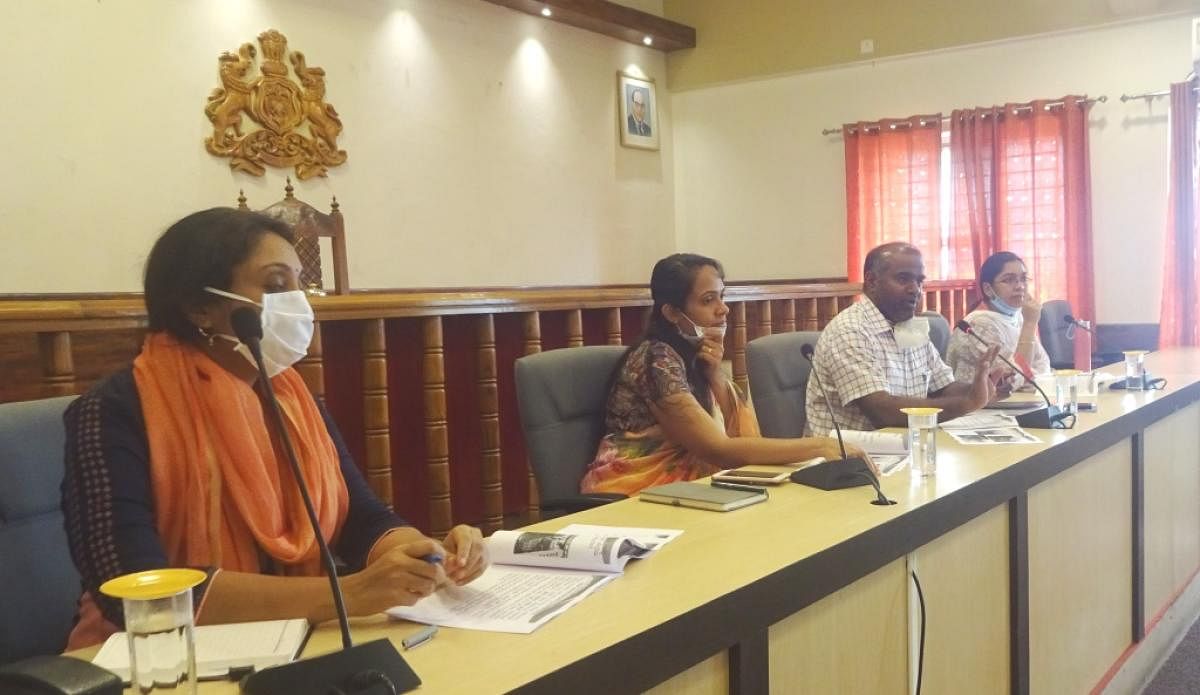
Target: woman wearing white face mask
<point x="659" y="422"/>
<point x="171" y="463"/>
<point x="1007" y="316"/>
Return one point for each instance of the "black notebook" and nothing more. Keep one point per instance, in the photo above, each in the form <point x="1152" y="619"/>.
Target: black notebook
<point x="702" y="496"/>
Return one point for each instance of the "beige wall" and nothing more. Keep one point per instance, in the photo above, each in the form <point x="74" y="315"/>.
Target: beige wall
<point x="483" y="146"/>
<point x="758" y="186"/>
<point x="754" y="38"/>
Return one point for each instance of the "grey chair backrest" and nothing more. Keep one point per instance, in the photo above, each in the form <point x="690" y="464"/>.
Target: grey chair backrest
<point x="1052" y="329"/>
<point x="561" y="395"/>
<point x="939" y="331"/>
<point x="39" y="586"/>
<point x="778" y="380"/>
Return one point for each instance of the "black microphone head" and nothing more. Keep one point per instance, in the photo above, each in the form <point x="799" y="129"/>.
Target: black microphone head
<point x="806" y="351"/>
<point x="963" y="326"/>
<point x="1069" y="319"/>
<point x="246" y="325"/>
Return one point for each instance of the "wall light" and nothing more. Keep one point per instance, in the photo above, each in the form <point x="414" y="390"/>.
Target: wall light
<point x="648" y="40"/>
<point x="546" y="12"/>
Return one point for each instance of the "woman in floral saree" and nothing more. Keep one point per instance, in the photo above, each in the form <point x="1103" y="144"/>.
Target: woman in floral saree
<point x="661" y="423"/>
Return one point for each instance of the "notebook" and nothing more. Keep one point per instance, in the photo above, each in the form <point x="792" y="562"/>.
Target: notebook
<point x="702" y="496"/>
<point x="223" y="648"/>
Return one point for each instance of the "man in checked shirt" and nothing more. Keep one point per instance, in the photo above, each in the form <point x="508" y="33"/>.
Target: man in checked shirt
<point x="874" y="359"/>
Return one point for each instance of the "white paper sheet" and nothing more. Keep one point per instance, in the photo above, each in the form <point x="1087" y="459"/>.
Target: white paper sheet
<point x="999" y="435"/>
<point x="652" y="538"/>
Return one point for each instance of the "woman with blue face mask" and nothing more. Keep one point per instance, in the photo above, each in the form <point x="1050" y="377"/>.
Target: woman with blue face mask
<point x="1006" y="315"/>
<point x="661" y="422"/>
<point x="170" y="462"/>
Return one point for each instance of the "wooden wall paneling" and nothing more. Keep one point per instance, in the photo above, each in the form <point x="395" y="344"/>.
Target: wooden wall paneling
<point x="533" y="345"/>
<point x="312" y="367"/>
<point x="633" y="323"/>
<point x="21" y="365"/>
<point x="844" y="301"/>
<point x="612" y="325"/>
<point x="574" y="328"/>
<point x="58" y="366"/>
<point x="808" y="314"/>
<point x="376" y="423"/>
<point x="827" y="308"/>
<point x="740" y="377"/>
<point x="510" y="346"/>
<point x="1171" y="507"/>
<point x="341" y="345"/>
<point x="491" y="475"/>
<point x="960" y="306"/>
<point x="437" y="445"/>
<point x="406" y="410"/>
<point x="464" y="427"/>
<point x="765" y="327"/>
<point x="946" y="305"/>
<point x="788" y="318"/>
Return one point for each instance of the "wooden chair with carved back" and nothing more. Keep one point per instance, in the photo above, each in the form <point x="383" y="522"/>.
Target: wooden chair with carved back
<point x="309" y="225"/>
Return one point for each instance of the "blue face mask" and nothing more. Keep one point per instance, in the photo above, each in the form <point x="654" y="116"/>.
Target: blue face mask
<point x="1002" y="306"/>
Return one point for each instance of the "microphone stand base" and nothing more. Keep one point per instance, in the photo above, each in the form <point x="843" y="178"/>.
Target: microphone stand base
<point x="883" y="502"/>
<point x="833" y="475"/>
<point x="1040" y="419"/>
<point x="363" y="668"/>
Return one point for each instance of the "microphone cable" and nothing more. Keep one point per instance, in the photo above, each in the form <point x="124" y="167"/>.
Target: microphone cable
<point x="921" y="651"/>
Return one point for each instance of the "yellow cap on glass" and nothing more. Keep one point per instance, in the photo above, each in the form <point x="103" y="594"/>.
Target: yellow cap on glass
<point x="152" y="584"/>
<point x="920" y="411"/>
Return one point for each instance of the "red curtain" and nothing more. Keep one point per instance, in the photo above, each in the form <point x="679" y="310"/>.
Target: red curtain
<point x="1180" y="319"/>
<point x="1023" y="184"/>
<point x="892" y="181"/>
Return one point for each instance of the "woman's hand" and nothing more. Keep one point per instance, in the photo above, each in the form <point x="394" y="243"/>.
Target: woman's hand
<point x="708" y="360"/>
<point x="400" y="577"/>
<point x="1031" y="308"/>
<point x="467" y="558"/>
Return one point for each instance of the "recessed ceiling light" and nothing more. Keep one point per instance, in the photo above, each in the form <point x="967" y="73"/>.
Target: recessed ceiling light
<point x="546" y="12"/>
<point x="648" y="40"/>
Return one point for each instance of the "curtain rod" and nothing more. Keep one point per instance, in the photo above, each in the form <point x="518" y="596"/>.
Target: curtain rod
<point x="1151" y="95"/>
<point x="1102" y="98"/>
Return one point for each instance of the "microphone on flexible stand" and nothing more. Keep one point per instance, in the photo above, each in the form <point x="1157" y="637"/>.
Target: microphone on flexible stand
<point x="353" y="669"/>
<point x="840" y="473"/>
<point x="1040" y="419"/>
<point x="1085" y="325"/>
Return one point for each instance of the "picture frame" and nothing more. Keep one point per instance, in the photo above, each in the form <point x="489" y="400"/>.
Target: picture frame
<point x="637" y="115"/>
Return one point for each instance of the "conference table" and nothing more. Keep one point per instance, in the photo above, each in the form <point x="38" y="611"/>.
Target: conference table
<point x="1041" y="567"/>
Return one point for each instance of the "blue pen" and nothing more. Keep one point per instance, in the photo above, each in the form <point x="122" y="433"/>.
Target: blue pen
<point x="433" y="558"/>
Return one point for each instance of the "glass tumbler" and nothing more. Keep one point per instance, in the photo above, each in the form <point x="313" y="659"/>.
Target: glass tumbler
<point x="1135" y="370"/>
<point x="1066" y="390"/>
<point x="158" y="626"/>
<point x="922" y="439"/>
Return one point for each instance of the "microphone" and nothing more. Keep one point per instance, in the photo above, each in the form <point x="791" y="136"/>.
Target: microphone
<point x="1077" y="323"/>
<point x="1040" y="419"/>
<point x="840" y="473"/>
<point x="354" y="668"/>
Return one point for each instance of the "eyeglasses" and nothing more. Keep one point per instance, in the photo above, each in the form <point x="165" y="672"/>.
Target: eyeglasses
<point x="1013" y="280"/>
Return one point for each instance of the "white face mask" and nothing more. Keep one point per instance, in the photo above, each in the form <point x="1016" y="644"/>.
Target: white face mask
<point x="912" y="333"/>
<point x="287" y="321"/>
<point x="699" y="333"/>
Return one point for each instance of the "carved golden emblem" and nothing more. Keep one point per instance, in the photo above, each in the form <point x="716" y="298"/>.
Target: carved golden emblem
<point x="277" y="104"/>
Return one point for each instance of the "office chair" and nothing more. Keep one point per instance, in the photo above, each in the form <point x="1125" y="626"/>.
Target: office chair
<point x="939" y="331"/>
<point x="1053" y="331"/>
<point x="778" y="380"/>
<point x="561" y="395"/>
<point x="38" y="581"/>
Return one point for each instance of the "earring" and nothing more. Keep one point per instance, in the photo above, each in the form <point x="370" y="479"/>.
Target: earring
<point x="204" y="332"/>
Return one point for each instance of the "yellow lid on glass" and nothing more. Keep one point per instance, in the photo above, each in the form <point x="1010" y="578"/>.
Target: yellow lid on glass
<point x="1135" y="352"/>
<point x="1067" y="372"/>
<point x="152" y="584"/>
<point x="920" y="411"/>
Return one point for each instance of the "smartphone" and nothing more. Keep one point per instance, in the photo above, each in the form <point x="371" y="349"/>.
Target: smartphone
<point x="737" y="475"/>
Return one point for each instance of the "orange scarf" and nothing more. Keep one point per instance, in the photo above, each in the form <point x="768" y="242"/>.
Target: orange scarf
<point x="222" y="490"/>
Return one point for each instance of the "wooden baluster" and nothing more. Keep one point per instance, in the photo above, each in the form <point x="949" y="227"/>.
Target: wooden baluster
<point x="827" y="308"/>
<point x="437" y="444"/>
<point x="533" y="345"/>
<point x="312" y="367"/>
<point x="376" y="427"/>
<point x="808" y="313"/>
<point x="489" y="421"/>
<point x="789" y="315"/>
<point x="575" y="328"/>
<point x="58" y="365"/>
<point x="960" y="305"/>
<point x="764" y="318"/>
<point x="612" y="325"/>
<point x="739" y="347"/>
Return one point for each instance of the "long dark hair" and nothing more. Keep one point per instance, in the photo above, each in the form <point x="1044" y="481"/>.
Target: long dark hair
<point x="671" y="282"/>
<point x="990" y="269"/>
<point x="200" y="250"/>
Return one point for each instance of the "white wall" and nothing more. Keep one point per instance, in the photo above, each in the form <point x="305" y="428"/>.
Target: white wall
<point x="758" y="186"/>
<point x="483" y="146"/>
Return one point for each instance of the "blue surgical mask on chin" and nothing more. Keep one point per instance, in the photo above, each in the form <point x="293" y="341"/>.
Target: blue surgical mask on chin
<point x="1002" y="306"/>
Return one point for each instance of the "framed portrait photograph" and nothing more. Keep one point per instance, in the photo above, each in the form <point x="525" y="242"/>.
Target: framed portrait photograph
<point x="638" y="114"/>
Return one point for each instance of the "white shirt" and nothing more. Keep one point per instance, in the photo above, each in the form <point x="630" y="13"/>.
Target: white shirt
<point x="856" y="356"/>
<point x="995" y="328"/>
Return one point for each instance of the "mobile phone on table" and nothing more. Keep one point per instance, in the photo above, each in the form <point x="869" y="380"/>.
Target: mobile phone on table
<point x="751" y="477"/>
